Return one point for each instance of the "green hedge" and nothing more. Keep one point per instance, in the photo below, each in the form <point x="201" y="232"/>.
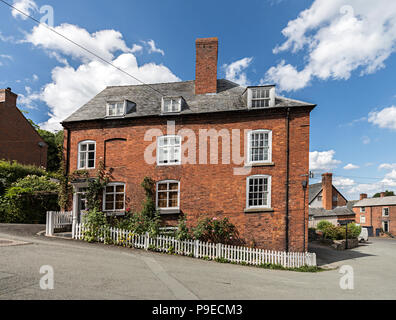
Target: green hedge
<point x="28" y="200"/>
<point x="12" y="171"/>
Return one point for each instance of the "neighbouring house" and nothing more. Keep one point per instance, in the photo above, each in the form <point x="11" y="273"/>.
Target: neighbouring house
<point x="327" y="203"/>
<point x="259" y="186"/>
<point x="18" y="139"/>
<point x="376" y="214"/>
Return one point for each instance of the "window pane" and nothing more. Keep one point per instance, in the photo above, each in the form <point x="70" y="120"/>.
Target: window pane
<point x="109" y="197"/>
<point x="109" y="189"/>
<point x="167" y="105"/>
<point x="91" y="163"/>
<point x="83" y="147"/>
<point x="91" y="147"/>
<point x="173" y="199"/>
<point x="173" y="186"/>
<point x="119" y="205"/>
<point x="162" y="186"/>
<point x="109" y="206"/>
<point x="120" y="188"/>
<point x="162" y="203"/>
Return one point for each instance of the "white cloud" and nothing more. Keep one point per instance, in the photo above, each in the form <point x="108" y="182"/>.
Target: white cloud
<point x="71" y="87"/>
<point x="343" y="182"/>
<point x="385" y="118"/>
<point x="104" y="43"/>
<point x="390" y="179"/>
<point x="5" y="57"/>
<point x="351" y="166"/>
<point x="234" y="71"/>
<point x="321" y="161"/>
<point x="153" y="48"/>
<point x="387" y="166"/>
<point x="366" y="140"/>
<point x="339" y="37"/>
<point x="26" y="6"/>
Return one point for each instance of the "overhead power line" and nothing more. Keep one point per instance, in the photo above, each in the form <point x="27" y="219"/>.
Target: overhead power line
<point x="80" y="46"/>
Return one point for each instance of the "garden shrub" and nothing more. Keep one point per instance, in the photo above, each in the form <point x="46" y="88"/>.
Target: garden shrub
<point x="95" y="221"/>
<point x="12" y="171"/>
<point x="353" y="231"/>
<point x="28" y="199"/>
<point x="217" y="231"/>
<point x="182" y="232"/>
<point x="322" y="225"/>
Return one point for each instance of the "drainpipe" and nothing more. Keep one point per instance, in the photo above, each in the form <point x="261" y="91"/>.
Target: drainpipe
<point x="287" y="176"/>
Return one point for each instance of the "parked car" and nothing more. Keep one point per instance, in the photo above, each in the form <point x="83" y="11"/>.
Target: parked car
<point x="363" y="236"/>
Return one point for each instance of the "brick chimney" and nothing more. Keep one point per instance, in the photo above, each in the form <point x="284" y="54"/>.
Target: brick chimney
<point x="7" y="96"/>
<point x="382" y="194"/>
<point x="363" y="196"/>
<point x="206" y="65"/>
<point x="327" y="191"/>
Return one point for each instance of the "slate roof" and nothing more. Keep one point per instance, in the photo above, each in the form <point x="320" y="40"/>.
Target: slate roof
<point x="314" y="190"/>
<point x="351" y="203"/>
<point x="384" y="201"/>
<point x="148" y="102"/>
<point x="337" y="211"/>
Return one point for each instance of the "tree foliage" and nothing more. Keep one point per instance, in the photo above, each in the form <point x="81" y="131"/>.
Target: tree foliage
<point x="387" y="194"/>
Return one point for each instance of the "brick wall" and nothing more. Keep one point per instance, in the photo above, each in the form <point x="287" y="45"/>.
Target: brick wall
<point x="212" y="189"/>
<point x="18" y="139"/>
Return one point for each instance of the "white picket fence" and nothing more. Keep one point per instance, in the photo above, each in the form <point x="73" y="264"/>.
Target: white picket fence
<point x="56" y="220"/>
<point x="199" y="249"/>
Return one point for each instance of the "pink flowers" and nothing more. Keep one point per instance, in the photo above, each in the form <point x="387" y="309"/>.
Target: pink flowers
<point x="215" y="218"/>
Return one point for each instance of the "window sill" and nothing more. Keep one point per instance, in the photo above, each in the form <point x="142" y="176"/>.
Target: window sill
<point x="263" y="164"/>
<point x="168" y="165"/>
<point x="168" y="211"/>
<point x="255" y="210"/>
<point x="114" y="213"/>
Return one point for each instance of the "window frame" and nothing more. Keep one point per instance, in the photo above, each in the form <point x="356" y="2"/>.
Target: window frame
<point x="86" y="152"/>
<point x="383" y="212"/>
<point x="115" y="102"/>
<point x="363" y="217"/>
<point x="178" y="163"/>
<point x="362" y="209"/>
<point x="269" y="181"/>
<point x="179" y="99"/>
<point x="271" y="97"/>
<point x="167" y="191"/>
<point x="249" y="146"/>
<point x="110" y="184"/>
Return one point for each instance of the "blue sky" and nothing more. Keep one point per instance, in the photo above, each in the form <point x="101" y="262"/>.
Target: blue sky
<point x="338" y="54"/>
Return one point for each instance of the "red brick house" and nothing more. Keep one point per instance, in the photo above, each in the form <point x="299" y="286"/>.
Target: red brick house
<point x="376" y="214"/>
<point x="327" y="203"/>
<point x="18" y="139"/>
<point x="262" y="193"/>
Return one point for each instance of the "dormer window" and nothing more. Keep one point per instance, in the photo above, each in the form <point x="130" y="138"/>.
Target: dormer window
<point x="261" y="97"/>
<point x="115" y="109"/>
<point x="171" y="105"/>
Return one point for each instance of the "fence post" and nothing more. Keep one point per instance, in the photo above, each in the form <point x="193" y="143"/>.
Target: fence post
<point x="196" y="248"/>
<point x="50" y="224"/>
<point x="146" y="241"/>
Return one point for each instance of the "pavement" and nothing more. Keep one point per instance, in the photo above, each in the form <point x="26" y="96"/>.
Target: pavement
<point x="96" y="271"/>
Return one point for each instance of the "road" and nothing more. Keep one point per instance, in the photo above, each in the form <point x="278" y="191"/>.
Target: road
<point x="95" y="271"/>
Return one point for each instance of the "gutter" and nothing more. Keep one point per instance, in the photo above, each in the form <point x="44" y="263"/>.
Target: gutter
<point x="287" y="177"/>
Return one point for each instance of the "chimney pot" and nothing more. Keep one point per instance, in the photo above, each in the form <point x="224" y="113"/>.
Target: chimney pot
<point x="206" y="65"/>
<point x="382" y="194"/>
<point x="363" y="196"/>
